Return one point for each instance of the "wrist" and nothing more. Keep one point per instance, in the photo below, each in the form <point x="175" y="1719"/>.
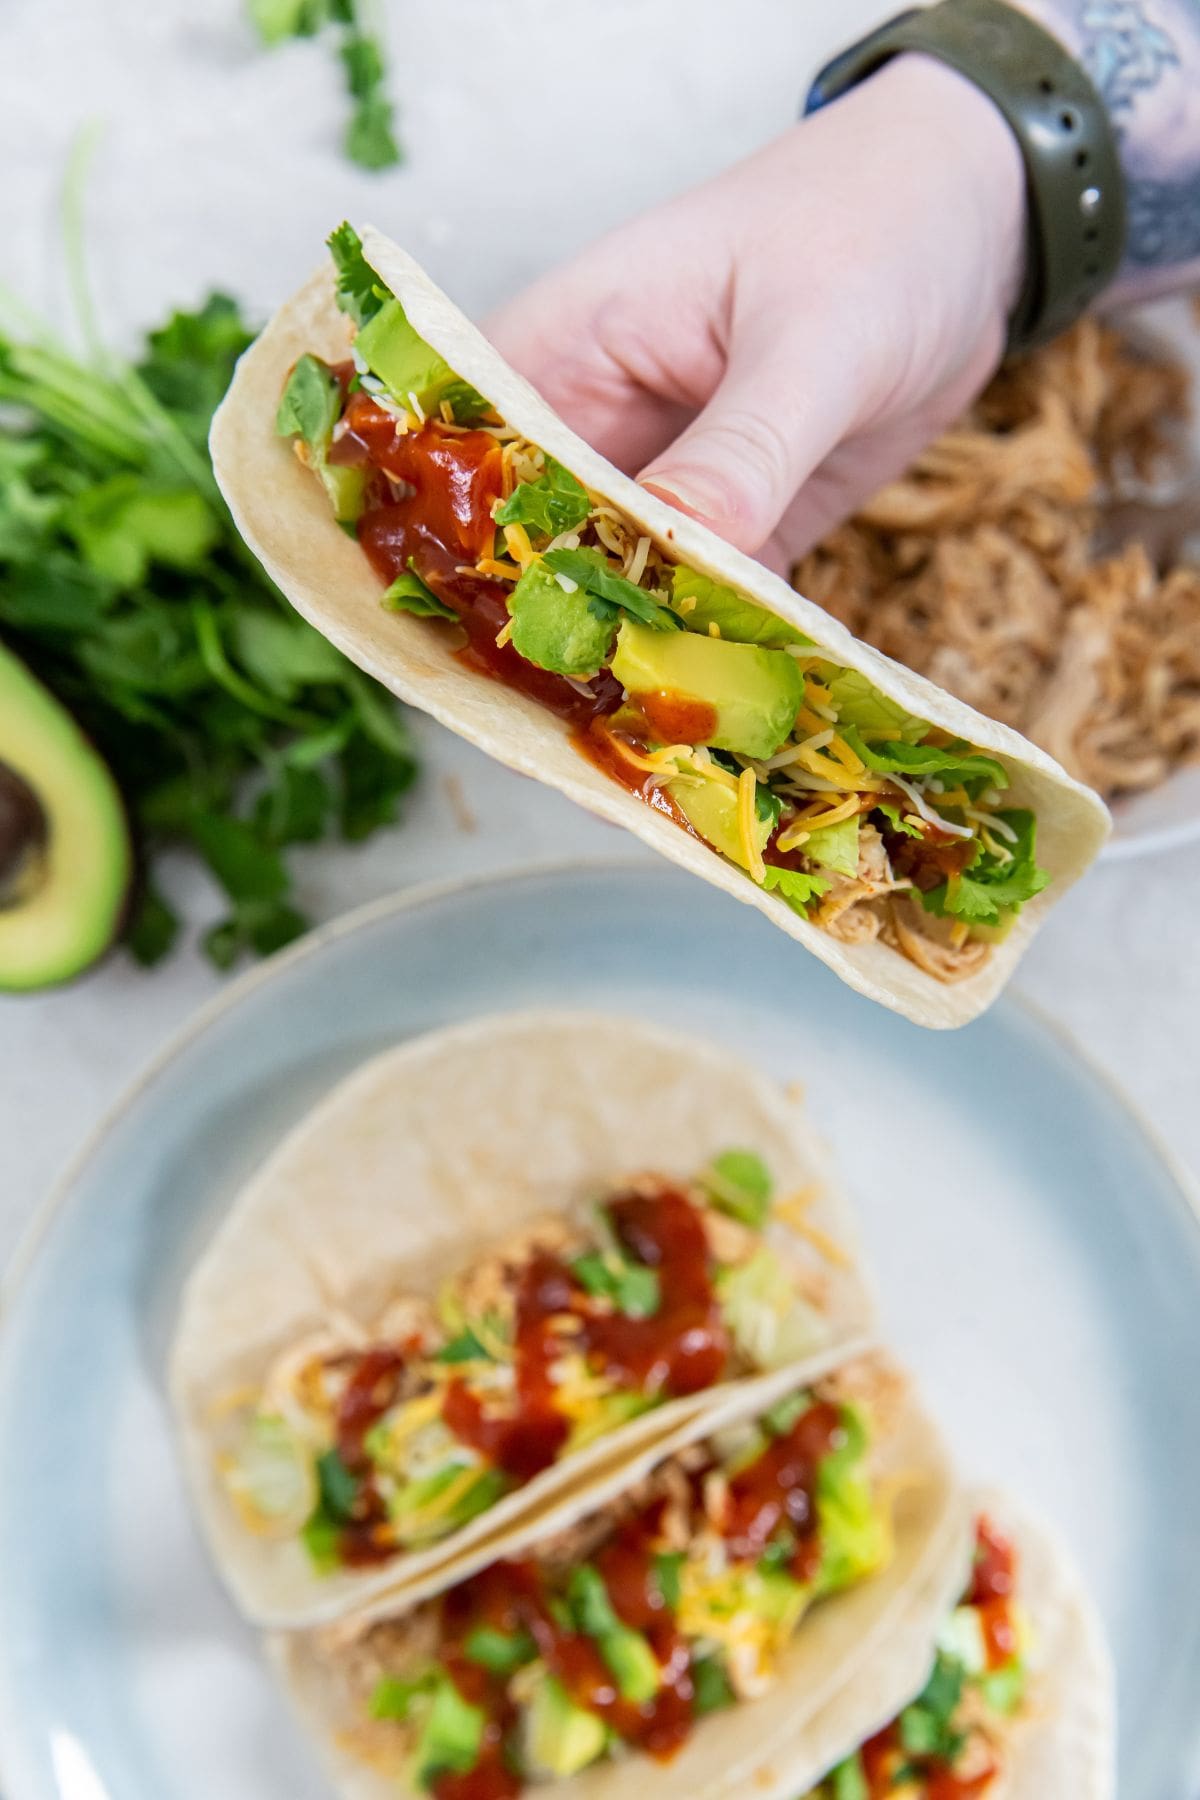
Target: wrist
<point x="969" y="134"/>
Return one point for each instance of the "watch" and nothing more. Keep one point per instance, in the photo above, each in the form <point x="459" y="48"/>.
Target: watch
<point x="1075" y="192"/>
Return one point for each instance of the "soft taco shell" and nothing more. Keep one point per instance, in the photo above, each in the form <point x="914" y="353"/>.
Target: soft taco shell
<point x="854" y="1651"/>
<point x="1065" y="1743"/>
<point x="284" y="516"/>
<point x="411" y="1169"/>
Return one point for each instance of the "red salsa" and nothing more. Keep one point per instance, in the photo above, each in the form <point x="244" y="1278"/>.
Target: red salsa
<point x="518" y="1597"/>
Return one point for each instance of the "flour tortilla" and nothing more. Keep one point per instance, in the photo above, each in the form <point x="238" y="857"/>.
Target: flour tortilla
<point x="283" y="513"/>
<point x="416" y="1166"/>
<point x="854" y="1652"/>
<point x="1064" y="1745"/>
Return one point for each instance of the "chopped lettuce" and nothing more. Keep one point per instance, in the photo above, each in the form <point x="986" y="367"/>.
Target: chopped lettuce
<point x="464" y="1347"/>
<point x="633" y="1288"/>
<point x="569" y="634"/>
<point x="591" y="572"/>
<point x="1003" y="1689"/>
<point x="710" y="1685"/>
<point x="768" y="1320"/>
<point x="392" y="1697"/>
<point x="991" y="885"/>
<point x="338" y="1486"/>
<point x="310" y="403"/>
<point x="701" y="602"/>
<point x="667" y="1564"/>
<point x="835" y="846"/>
<point x="864" y="707"/>
<point x="408" y="593"/>
<point x="854" y="1530"/>
<point x="628" y="1655"/>
<point x="308" y="410"/>
<point x="553" y="503"/>
<point x="795" y="886"/>
<point x="847" y="1782"/>
<point x="899" y="823"/>
<point x="499" y="1651"/>
<point x="955" y="763"/>
<point x="418" y="1510"/>
<point x="927" y="1725"/>
<point x="272" y="1475"/>
<point x="738" y="1182"/>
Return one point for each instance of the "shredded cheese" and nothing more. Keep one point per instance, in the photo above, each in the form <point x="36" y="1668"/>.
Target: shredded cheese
<point x="747" y="819"/>
<point x="504" y="635"/>
<point x="517" y="543"/>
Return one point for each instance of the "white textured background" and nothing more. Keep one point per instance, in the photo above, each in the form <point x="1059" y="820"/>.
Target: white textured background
<point x="530" y="125"/>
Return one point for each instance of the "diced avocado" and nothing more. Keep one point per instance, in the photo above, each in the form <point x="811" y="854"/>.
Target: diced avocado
<point x="738" y="1182"/>
<point x="65" y="858"/>
<point x="560" y="1737"/>
<point x="632" y="1663"/>
<point x="554" y="629"/>
<point x="848" y="1781"/>
<point x="451" y="1737"/>
<point x="345" y="486"/>
<point x="708" y="800"/>
<point x="744" y="698"/>
<point x="402" y="360"/>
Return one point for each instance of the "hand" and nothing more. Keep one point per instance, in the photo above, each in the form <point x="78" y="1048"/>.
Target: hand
<point x="768" y="349"/>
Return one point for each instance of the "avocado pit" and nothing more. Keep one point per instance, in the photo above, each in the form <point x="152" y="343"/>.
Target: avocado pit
<point x="24" y="838"/>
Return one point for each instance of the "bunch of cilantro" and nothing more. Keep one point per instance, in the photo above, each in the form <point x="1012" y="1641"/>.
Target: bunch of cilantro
<point x="370" y="139"/>
<point x="230" y="724"/>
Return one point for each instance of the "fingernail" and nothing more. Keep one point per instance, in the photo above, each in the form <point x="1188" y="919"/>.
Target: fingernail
<point x="689" y="492"/>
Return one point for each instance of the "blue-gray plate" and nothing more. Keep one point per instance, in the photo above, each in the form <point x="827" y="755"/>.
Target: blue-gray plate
<point x="1038" y="1259"/>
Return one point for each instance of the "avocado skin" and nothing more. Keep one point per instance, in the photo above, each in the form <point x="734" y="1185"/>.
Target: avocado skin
<point x="733" y="696"/>
<point x="59" y="924"/>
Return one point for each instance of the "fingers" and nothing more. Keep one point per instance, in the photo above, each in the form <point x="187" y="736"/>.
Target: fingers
<point x="772" y="421"/>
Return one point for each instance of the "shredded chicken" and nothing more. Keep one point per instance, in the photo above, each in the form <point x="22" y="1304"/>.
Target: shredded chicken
<point x="990" y="567"/>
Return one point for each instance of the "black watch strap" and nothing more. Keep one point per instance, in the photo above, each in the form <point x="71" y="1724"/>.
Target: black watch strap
<point x="1075" y="190"/>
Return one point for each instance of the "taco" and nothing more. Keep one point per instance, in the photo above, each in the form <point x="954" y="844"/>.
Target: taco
<point x="679" y="1632"/>
<point x="1018" y="1703"/>
<point x="491" y="1262"/>
<point x="426" y="510"/>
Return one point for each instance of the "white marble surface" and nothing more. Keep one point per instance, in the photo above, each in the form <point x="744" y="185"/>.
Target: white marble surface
<point x="531" y="124"/>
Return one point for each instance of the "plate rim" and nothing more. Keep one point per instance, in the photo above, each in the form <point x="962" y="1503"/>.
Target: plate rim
<point x="428" y="893"/>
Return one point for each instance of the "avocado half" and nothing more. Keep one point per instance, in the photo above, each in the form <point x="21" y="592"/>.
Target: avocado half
<point x="65" y="858"/>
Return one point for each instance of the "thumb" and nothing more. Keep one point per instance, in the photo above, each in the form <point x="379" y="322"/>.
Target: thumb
<point x="738" y="466"/>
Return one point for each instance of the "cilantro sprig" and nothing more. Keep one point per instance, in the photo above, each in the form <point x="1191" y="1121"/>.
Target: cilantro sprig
<point x="232" y="727"/>
<point x="370" y="138"/>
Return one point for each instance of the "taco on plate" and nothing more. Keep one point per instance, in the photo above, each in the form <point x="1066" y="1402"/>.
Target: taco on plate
<point x="1018" y="1702"/>
<point x="493" y="1261"/>
<point x="678" y="1633"/>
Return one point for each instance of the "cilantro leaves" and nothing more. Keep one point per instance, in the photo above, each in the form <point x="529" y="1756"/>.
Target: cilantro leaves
<point x="795" y="886"/>
<point x="589" y="570"/>
<point x="370" y="139"/>
<point x="360" y="293"/>
<point x="232" y="727"/>
<point x="632" y="1287"/>
<point x="992" y="886"/>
